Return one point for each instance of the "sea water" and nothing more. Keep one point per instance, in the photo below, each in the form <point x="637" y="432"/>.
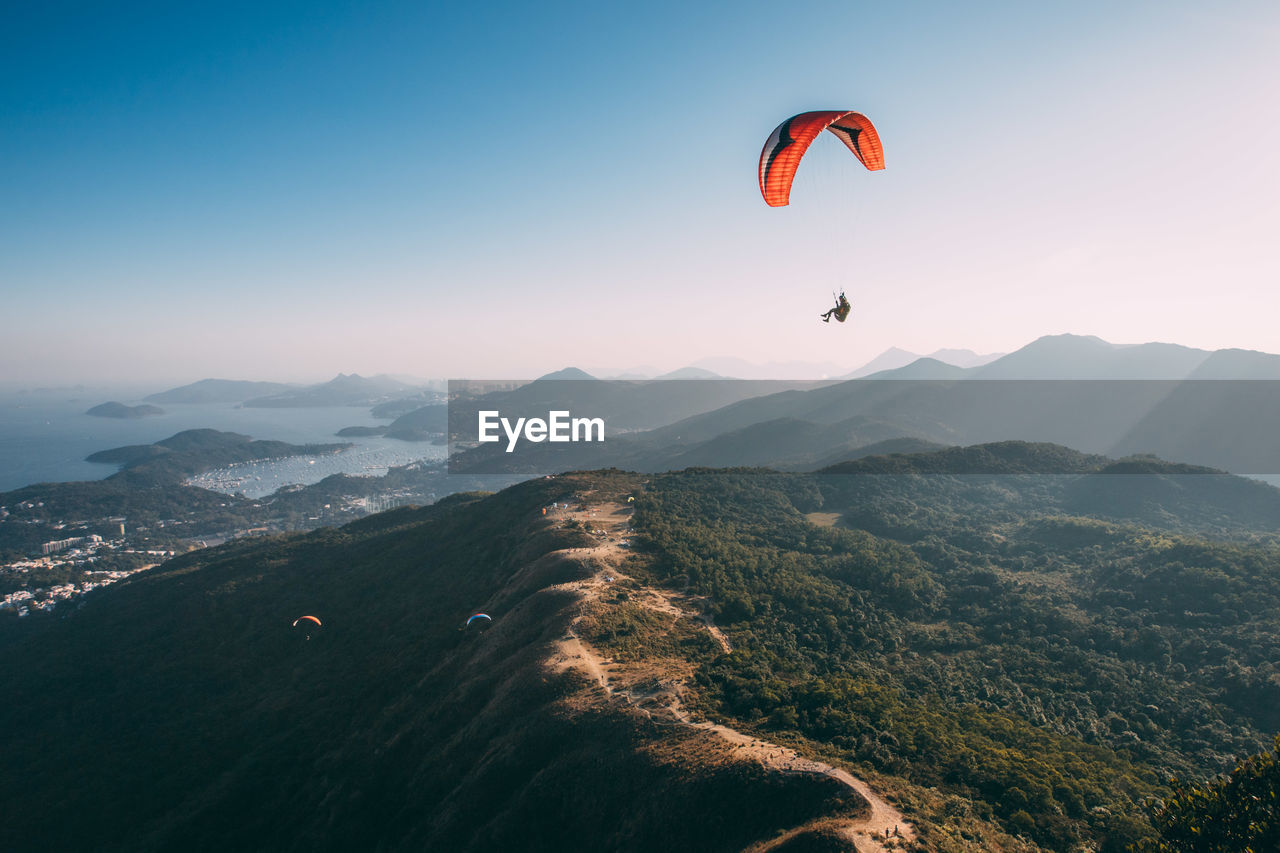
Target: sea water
<point x="45" y="436"/>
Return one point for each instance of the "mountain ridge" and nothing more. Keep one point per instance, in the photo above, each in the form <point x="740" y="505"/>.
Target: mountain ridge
<point x="480" y="780"/>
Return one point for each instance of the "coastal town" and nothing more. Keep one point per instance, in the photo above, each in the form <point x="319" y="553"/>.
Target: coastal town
<point x="58" y="572"/>
<point x="62" y="541"/>
<point x="80" y="563"/>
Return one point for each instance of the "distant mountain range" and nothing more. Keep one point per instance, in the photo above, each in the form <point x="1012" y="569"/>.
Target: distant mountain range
<point x="342" y="390"/>
<point x="894" y="358"/>
<point x="1048" y="357"/>
<point x="896" y="396"/>
<point x="739" y="368"/>
<point x="726" y="367"/>
<point x="625" y="404"/>
<point x="219" y="391"/>
<point x="1160" y="409"/>
<point x="1082" y="357"/>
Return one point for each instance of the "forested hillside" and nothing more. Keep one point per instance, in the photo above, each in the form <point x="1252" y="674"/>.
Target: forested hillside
<point x="1014" y="662"/>
<point x="969" y="633"/>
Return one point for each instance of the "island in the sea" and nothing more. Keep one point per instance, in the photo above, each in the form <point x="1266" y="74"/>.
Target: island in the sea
<point x="360" y="431"/>
<point x="167" y="462"/>
<point x="120" y="410"/>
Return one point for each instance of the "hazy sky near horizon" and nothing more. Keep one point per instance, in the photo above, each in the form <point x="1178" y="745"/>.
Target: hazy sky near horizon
<point x="289" y="190"/>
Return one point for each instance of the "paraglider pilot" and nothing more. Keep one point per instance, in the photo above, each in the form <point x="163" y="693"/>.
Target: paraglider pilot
<point x="841" y="311"/>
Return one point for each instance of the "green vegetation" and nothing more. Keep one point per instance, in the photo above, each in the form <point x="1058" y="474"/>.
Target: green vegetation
<point x="180" y="708"/>
<point x="636" y="633"/>
<point x="1057" y="668"/>
<point x="1237" y="813"/>
<point x="1039" y="652"/>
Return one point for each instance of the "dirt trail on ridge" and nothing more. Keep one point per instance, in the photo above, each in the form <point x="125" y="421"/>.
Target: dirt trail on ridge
<point x="661" y="699"/>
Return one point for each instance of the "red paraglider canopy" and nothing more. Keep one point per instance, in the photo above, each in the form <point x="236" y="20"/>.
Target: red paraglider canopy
<point x="789" y="140"/>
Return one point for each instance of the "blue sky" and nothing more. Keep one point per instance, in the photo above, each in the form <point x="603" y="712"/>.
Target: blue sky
<point x="289" y="190"/>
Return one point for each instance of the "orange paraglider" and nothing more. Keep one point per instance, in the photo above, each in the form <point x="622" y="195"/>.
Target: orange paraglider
<point x="308" y="627"/>
<point x="791" y="139"/>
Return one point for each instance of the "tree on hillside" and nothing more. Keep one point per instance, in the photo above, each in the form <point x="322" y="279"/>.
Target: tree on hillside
<point x="1231" y="815"/>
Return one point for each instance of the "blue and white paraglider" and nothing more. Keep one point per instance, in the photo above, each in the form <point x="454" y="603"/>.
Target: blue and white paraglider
<point x="483" y="618"/>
